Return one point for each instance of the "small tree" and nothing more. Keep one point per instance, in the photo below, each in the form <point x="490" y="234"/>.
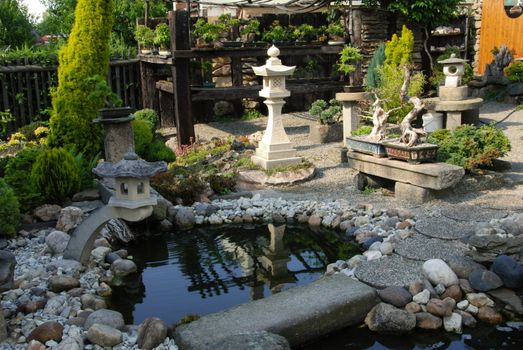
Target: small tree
<point x="15" y="24"/>
<point x="83" y="65"/>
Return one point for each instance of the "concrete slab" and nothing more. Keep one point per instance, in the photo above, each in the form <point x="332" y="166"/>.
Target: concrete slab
<point x="445" y="228"/>
<point x="298" y="314"/>
<point x="419" y="247"/>
<point x="435" y="176"/>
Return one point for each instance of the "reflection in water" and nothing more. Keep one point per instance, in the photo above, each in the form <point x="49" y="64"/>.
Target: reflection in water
<point x="206" y="270"/>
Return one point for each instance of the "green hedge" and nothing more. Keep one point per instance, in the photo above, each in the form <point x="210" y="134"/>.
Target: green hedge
<point x="9" y="210"/>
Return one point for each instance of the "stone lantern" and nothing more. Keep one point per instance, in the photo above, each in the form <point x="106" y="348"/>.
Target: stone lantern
<point x="275" y="148"/>
<point x="132" y="201"/>
<point x="132" y="189"/>
<point x="454" y="69"/>
<point x="119" y="137"/>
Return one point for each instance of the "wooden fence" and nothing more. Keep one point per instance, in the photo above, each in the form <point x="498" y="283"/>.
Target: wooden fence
<point x="24" y="88"/>
<point x="497" y="28"/>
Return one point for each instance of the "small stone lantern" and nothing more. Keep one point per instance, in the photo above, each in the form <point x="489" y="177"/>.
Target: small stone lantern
<point x="119" y="137"/>
<point x="454" y="69"/>
<point x="132" y="181"/>
<point x="275" y="148"/>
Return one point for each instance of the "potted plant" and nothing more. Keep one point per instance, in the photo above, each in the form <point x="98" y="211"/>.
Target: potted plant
<point x="206" y="34"/>
<point x="321" y="35"/>
<point x="336" y="33"/>
<point x="207" y="74"/>
<point x="145" y="38"/>
<point x="278" y="34"/>
<point x="249" y="31"/>
<point x="329" y="116"/>
<point x="162" y="38"/>
<point x="346" y="65"/>
<point x="304" y="33"/>
<point x="227" y="26"/>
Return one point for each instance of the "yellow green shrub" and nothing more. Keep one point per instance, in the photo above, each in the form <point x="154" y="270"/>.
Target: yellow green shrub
<point x="83" y="65"/>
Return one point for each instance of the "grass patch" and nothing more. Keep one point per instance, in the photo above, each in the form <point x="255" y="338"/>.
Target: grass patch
<point x="305" y="164"/>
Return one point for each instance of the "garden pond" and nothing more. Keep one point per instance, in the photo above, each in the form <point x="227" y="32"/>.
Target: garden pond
<point x="210" y="269"/>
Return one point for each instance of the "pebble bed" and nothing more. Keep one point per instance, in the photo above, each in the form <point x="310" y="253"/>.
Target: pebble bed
<point x="32" y="302"/>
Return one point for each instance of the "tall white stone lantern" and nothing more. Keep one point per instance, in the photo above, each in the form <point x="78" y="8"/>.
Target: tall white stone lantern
<point x="275" y="148"/>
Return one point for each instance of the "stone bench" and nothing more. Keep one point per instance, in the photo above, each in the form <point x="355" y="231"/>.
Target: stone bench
<point x="414" y="182"/>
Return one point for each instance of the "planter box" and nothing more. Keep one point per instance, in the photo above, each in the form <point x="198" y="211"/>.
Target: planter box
<point x="424" y="152"/>
<point x="362" y="145"/>
<point x="324" y="133"/>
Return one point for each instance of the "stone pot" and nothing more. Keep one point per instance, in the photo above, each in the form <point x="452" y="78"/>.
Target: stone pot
<point x="362" y="145"/>
<point x="324" y="133"/>
<point x="425" y="152"/>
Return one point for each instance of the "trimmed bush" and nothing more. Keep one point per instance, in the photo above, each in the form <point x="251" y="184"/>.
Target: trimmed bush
<point x="9" y="210"/>
<point x="514" y="72"/>
<point x="17" y="172"/>
<point x="398" y="51"/>
<point x="56" y="175"/>
<point x="82" y="86"/>
<point x="157" y="151"/>
<point x="173" y="188"/>
<point x="471" y="147"/>
<point x="143" y="136"/>
<point x="148" y="115"/>
<point x="372" y="79"/>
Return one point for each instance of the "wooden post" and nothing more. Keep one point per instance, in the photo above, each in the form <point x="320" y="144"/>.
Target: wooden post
<point x="148" y="84"/>
<point x="179" y="27"/>
<point x="357" y="42"/>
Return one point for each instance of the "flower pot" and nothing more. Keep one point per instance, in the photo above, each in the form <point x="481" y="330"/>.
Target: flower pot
<point x="362" y="144"/>
<point x="325" y="133"/>
<point x="146" y="51"/>
<point x="164" y="53"/>
<point x="425" y="152"/>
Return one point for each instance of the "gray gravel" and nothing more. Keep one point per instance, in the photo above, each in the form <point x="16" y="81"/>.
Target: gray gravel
<point x="467" y="213"/>
<point x="390" y="271"/>
<point x="444" y="228"/>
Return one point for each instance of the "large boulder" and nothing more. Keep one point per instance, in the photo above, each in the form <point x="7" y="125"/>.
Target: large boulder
<point x="57" y="241"/>
<point x="151" y="333"/>
<point x="437" y="271"/>
<point x="105" y="317"/>
<point x="440" y="307"/>
<point x="103" y="335"/>
<point x="60" y="283"/>
<point x="397" y="296"/>
<point x="47" y="212"/>
<point x="484" y="280"/>
<point x="223" y="108"/>
<point x="463" y="265"/>
<point x="509" y="270"/>
<point x="123" y="267"/>
<point x="425" y="320"/>
<point x="385" y="318"/>
<point x="69" y="218"/>
<point x="50" y="330"/>
<point x="185" y="218"/>
<point x="117" y="230"/>
<point x="3" y="328"/>
<point x="7" y="270"/>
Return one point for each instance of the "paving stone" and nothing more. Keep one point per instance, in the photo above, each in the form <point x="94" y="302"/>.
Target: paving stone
<point x="419" y="247"/>
<point x="468" y="213"/>
<point x="444" y="228"/>
<point x="399" y="271"/>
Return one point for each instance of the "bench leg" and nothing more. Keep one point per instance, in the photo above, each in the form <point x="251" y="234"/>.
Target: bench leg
<point x="411" y="193"/>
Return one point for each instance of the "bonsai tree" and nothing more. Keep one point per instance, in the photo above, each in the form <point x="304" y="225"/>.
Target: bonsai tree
<point x="304" y="32"/>
<point x="250" y="30"/>
<point x="144" y="36"/>
<point x="206" y="33"/>
<point x="276" y="32"/>
<point x="336" y="31"/>
<point x="349" y="56"/>
<point x="162" y="36"/>
<point x="226" y="23"/>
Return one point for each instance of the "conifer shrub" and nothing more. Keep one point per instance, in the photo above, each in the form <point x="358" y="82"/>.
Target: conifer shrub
<point x="83" y="65"/>
<point x="143" y="136"/>
<point x="9" y="210"/>
<point x="398" y="51"/>
<point x="56" y="175"/>
<point x="471" y="147"/>
<point x="17" y="173"/>
<point x="148" y="115"/>
<point x="372" y="78"/>
<point x="157" y="151"/>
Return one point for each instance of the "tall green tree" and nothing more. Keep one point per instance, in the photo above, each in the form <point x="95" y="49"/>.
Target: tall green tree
<point x="82" y="86"/>
<point x="59" y="17"/>
<point x="16" y="25"/>
<point x="427" y="13"/>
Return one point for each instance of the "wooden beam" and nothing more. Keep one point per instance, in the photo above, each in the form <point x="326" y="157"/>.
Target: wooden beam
<point x="179" y="27"/>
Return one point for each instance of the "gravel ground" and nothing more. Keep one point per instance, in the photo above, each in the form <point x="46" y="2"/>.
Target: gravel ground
<point x="334" y="180"/>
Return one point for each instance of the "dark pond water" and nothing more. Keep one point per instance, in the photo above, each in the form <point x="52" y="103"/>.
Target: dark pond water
<point x="210" y="269"/>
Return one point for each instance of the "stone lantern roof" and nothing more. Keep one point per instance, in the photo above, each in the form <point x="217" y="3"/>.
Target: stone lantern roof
<point x="273" y="66"/>
<point x="130" y="166"/>
<point x="453" y="60"/>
